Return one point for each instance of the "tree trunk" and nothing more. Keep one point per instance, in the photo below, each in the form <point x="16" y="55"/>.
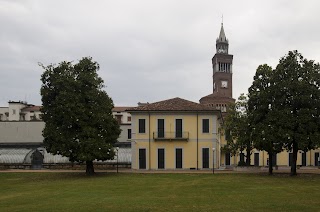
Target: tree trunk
<point x="89" y="168"/>
<point x="294" y="159"/>
<point x="270" y="163"/>
<point x="248" y="155"/>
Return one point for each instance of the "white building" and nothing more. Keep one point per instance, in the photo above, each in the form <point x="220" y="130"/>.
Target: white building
<point x="20" y="111"/>
<point x="21" y="136"/>
<point x="124" y="120"/>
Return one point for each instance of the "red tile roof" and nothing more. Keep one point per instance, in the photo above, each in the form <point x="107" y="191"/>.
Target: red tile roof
<point x="120" y="109"/>
<point x="175" y="104"/>
<point x="31" y="108"/>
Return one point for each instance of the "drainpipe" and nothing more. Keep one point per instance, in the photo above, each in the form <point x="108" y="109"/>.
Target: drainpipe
<point x="149" y="143"/>
<point x="197" y="141"/>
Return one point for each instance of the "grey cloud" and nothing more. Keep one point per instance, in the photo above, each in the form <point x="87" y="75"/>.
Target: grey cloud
<point x="149" y="50"/>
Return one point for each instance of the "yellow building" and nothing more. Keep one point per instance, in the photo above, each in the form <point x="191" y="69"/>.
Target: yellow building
<point x="261" y="158"/>
<point x="175" y="134"/>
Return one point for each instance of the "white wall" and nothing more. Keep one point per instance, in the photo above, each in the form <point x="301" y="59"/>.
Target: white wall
<point x="14" y="110"/>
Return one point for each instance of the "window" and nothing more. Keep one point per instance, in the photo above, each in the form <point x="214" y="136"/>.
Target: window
<point x="178" y="128"/>
<point x="129" y="133"/>
<point x="129" y="118"/>
<point x="22" y="117"/>
<point x="205" y="158"/>
<point x="142" y="126"/>
<point x="13" y="111"/>
<point x="205" y="125"/>
<point x="178" y="158"/>
<point x="161" y="160"/>
<point x="119" y="117"/>
<point x="160" y="128"/>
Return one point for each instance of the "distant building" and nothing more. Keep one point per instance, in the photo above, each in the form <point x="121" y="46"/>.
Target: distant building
<point x="21" y="140"/>
<point x="124" y="120"/>
<point x="20" y="111"/>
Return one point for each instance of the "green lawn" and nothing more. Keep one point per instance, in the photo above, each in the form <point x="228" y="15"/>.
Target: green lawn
<point x="158" y="192"/>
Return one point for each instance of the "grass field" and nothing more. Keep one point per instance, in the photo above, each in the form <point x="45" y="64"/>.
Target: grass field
<point x="158" y="192"/>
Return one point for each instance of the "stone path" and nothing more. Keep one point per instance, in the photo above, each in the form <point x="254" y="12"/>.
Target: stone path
<point x="310" y="170"/>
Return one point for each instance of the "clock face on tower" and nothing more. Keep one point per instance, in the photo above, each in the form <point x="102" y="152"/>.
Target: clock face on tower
<point x="224" y="84"/>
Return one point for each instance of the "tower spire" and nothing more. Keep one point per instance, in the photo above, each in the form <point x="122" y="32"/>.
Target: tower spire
<point x="222" y="36"/>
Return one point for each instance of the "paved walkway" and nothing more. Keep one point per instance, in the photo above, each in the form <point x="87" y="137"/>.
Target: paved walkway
<point x="310" y="170"/>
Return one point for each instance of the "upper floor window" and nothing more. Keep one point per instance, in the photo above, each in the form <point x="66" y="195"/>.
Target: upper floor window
<point x="22" y="117"/>
<point x="142" y="126"/>
<point x="160" y="128"/>
<point x="119" y="117"/>
<point x="129" y="118"/>
<point x="178" y="128"/>
<point x="205" y="125"/>
<point x="13" y="111"/>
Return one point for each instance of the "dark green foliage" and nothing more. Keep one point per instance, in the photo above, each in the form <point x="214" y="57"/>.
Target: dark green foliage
<point x="237" y="131"/>
<point x="297" y="100"/>
<point x="77" y="113"/>
<point x="284" y="107"/>
<point x="262" y="113"/>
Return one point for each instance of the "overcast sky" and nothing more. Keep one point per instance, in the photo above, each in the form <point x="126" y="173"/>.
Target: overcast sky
<point x="150" y="50"/>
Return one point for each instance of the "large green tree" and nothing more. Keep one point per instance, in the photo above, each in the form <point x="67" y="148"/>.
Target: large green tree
<point x="237" y="129"/>
<point x="284" y="107"/>
<point x="77" y="113"/>
<point x="296" y="90"/>
<point x="262" y="114"/>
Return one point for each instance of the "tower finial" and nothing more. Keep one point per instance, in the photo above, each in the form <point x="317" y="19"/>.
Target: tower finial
<point x="222" y="19"/>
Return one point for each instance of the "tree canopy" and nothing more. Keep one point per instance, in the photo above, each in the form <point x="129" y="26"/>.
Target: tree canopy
<point x="77" y="113"/>
<point x="262" y="114"/>
<point x="284" y="106"/>
<point x="236" y="128"/>
<point x="296" y="92"/>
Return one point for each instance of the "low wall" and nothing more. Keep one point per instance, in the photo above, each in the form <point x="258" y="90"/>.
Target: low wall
<point x="67" y="166"/>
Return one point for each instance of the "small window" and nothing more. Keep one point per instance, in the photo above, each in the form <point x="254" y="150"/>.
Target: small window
<point x="13" y="111"/>
<point x="129" y="118"/>
<point x="142" y="126"/>
<point x="205" y="125"/>
<point x="129" y="133"/>
<point x="119" y="119"/>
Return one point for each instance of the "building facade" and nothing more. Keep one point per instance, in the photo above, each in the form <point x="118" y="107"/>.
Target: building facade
<point x="175" y="134"/>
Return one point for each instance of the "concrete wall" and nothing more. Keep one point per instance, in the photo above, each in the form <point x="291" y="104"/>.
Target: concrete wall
<point x="21" y="132"/>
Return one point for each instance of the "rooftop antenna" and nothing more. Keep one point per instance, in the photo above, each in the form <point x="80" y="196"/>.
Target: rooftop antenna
<point x="222" y="19"/>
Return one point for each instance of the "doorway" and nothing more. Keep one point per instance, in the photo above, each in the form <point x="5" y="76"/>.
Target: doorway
<point x="142" y="159"/>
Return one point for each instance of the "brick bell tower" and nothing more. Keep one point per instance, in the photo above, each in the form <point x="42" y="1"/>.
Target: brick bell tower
<point x="222" y="75"/>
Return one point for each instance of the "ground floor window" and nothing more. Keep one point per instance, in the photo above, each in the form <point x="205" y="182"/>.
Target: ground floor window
<point x="179" y="158"/>
<point x="161" y="160"/>
<point x="205" y="158"/>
